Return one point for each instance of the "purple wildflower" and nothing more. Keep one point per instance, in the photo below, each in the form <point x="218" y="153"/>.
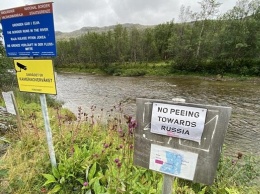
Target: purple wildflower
<point x="119" y="164"/>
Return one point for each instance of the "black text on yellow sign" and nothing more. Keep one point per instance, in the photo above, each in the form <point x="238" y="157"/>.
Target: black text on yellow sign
<point x="35" y="76"/>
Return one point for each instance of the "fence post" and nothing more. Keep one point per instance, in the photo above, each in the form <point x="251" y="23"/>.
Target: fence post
<point x="20" y="126"/>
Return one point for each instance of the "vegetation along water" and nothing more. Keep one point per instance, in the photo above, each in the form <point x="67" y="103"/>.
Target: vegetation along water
<point x="158" y="62"/>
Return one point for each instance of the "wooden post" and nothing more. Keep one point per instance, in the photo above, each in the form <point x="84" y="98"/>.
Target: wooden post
<point x="19" y="122"/>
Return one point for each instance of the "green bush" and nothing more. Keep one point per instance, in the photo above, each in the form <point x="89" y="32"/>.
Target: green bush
<point x="7" y="79"/>
<point x="134" y="72"/>
<point x="242" y="67"/>
<point x="111" y="69"/>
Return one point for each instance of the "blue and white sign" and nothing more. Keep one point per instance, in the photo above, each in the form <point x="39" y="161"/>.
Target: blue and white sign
<point x="173" y="162"/>
<point x="29" y="31"/>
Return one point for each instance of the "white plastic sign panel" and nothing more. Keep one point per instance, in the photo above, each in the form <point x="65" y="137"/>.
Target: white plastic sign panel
<point x="173" y="162"/>
<point x="8" y="102"/>
<point x="178" y="121"/>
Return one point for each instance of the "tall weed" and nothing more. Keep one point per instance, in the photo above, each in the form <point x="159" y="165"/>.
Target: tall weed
<point x="94" y="153"/>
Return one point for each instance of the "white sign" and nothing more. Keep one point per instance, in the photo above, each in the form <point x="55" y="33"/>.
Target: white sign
<point x="9" y="102"/>
<point x="178" y="121"/>
<point x="177" y="163"/>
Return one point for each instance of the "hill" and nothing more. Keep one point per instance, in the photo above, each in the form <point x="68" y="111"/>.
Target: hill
<point x="67" y="35"/>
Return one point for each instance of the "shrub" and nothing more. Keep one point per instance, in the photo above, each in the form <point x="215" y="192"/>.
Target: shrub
<point x="134" y="72"/>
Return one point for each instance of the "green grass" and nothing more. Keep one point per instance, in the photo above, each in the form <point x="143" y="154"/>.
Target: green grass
<point x="94" y="154"/>
<point x="78" y="70"/>
<point x="125" y="69"/>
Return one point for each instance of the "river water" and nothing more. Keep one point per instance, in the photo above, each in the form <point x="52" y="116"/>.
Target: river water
<point x="243" y="134"/>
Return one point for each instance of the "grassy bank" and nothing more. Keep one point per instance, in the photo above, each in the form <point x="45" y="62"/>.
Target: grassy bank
<point x="122" y="69"/>
<point x="165" y="69"/>
<point x="94" y="152"/>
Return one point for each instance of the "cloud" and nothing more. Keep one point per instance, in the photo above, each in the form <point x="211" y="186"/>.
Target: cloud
<point x="146" y="12"/>
<point x="71" y="15"/>
<point x="81" y="13"/>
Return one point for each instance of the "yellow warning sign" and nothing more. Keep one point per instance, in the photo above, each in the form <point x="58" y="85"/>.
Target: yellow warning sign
<point x="35" y="76"/>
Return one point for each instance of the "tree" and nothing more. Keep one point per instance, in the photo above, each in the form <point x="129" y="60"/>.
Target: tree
<point x="121" y="43"/>
<point x="135" y="44"/>
<point x="149" y="46"/>
<point x="209" y="9"/>
<point x="162" y="33"/>
<point x="6" y="78"/>
<point x="110" y="47"/>
<point x="241" y="40"/>
<point x="179" y="44"/>
<point x="65" y="52"/>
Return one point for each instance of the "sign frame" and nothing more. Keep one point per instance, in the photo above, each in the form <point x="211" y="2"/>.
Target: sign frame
<point x="208" y="150"/>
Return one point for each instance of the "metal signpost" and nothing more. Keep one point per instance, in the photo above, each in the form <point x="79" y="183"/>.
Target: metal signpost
<point x="180" y="139"/>
<point x="29" y="33"/>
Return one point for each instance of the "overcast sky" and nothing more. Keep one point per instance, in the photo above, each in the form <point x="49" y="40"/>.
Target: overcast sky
<point x="70" y="15"/>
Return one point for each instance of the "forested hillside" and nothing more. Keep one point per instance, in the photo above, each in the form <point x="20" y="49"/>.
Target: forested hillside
<point x="200" y="42"/>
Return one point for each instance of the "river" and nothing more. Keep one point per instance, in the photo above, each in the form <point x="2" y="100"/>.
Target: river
<point x="243" y="134"/>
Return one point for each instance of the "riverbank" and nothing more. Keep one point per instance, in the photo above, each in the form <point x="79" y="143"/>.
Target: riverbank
<point x="162" y="69"/>
<point x="103" y="152"/>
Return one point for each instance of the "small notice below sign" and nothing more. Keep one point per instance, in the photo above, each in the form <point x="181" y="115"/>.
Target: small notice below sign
<point x="9" y="102"/>
<point x="35" y="76"/>
<point x="178" y="121"/>
<point x="174" y="162"/>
